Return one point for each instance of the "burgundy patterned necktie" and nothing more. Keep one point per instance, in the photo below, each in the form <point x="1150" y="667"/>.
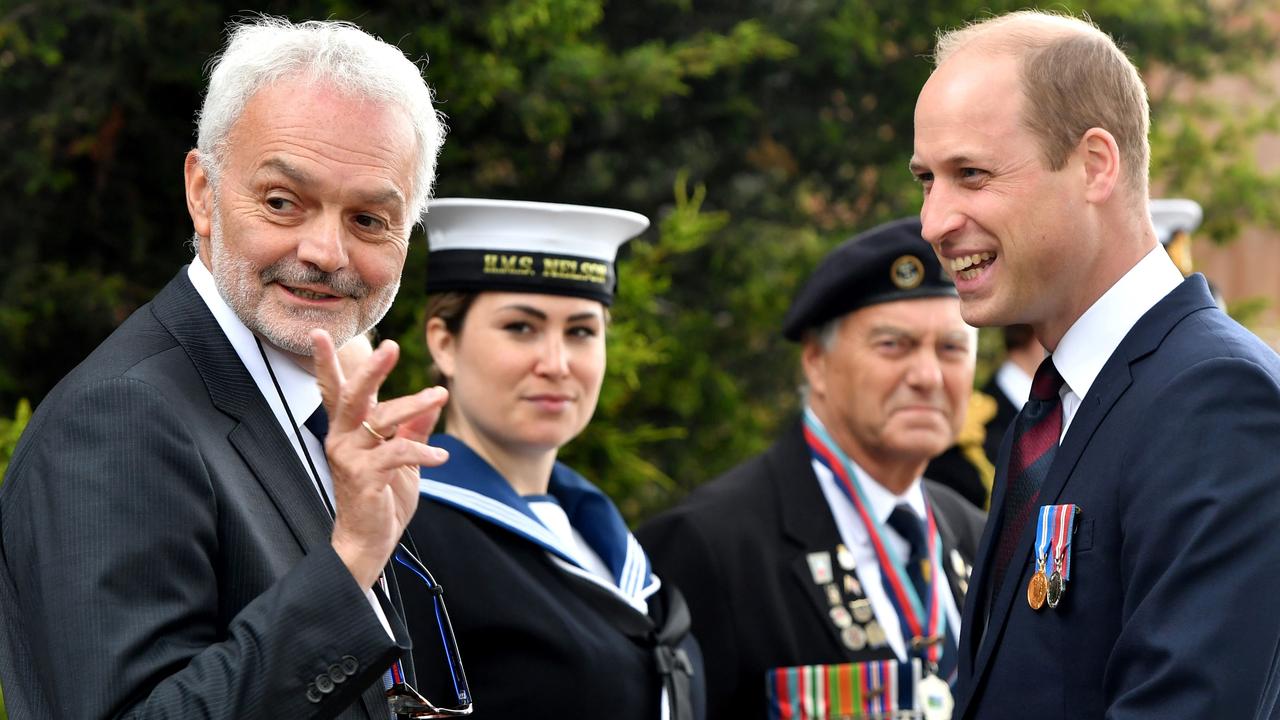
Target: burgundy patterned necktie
<point x="1035" y="441"/>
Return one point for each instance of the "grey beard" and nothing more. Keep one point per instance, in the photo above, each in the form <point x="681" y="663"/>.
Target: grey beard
<point x="232" y="274"/>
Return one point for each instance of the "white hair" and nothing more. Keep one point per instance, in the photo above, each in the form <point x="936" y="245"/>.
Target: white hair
<point x="264" y="50"/>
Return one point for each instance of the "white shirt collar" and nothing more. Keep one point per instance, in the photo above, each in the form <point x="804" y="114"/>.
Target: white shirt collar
<point x="298" y="385"/>
<point x="881" y="499"/>
<point x="1088" y="344"/>
<point x="1014" y="382"/>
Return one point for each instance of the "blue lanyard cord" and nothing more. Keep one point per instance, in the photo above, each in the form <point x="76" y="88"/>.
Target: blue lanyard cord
<point x="414" y="565"/>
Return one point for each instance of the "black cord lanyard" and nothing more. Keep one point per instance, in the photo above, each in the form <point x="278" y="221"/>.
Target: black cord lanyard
<point x="409" y="560"/>
<point x="315" y="475"/>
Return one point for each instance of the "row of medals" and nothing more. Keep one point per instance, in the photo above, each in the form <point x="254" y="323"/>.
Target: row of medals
<point x="857" y="624"/>
<point x="866" y="631"/>
<point x="1044" y="590"/>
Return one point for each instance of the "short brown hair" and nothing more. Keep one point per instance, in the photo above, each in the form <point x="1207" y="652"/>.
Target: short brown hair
<point x="452" y="308"/>
<point x="1074" y="77"/>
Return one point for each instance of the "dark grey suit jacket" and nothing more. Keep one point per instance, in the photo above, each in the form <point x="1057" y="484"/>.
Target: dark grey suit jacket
<point x="164" y="554"/>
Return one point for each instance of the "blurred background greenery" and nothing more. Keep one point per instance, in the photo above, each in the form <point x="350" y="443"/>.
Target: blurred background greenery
<point x="755" y="133"/>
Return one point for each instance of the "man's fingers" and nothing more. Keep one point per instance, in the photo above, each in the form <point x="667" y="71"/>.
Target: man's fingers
<point x="397" y="453"/>
<point x="328" y="371"/>
<point x="412" y="416"/>
<point x="360" y="392"/>
<point x="418" y="428"/>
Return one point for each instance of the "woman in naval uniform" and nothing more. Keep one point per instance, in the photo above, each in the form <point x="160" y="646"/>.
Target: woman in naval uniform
<point x="555" y="609"/>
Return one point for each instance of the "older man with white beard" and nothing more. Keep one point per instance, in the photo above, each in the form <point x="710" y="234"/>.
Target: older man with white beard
<point x="184" y="530"/>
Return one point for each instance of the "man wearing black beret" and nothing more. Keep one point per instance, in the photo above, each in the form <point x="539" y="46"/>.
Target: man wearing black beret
<point x="825" y="576"/>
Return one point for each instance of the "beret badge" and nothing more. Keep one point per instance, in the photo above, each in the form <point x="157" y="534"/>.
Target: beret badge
<point x="907" y="272"/>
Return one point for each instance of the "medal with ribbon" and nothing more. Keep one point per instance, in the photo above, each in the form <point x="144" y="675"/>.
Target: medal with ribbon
<point x="923" y="619"/>
<point x="1038" y="588"/>
<point x="1064" y="523"/>
<point x="1054" y="528"/>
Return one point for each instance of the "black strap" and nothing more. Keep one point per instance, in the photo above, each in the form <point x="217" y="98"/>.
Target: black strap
<point x="672" y="662"/>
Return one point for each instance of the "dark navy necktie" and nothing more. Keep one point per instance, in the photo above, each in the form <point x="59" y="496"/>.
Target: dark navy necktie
<point x="906" y="523"/>
<point x="318" y="423"/>
<point x="1035" y="441"/>
<point x="910" y="527"/>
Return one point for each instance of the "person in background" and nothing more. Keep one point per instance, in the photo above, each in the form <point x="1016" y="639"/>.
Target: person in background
<point x="1010" y="386"/>
<point x="560" y="614"/>
<point x="965" y="467"/>
<point x="828" y="562"/>
<point x="168" y="543"/>
<point x="968" y="467"/>
<point x="1129" y="567"/>
<point x="1174" y="220"/>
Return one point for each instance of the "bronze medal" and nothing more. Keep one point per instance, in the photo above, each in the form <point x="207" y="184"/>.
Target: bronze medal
<point x="1055" y="589"/>
<point x="1037" y="590"/>
<point x="854" y="637"/>
<point x="861" y="610"/>
<point x="875" y="634"/>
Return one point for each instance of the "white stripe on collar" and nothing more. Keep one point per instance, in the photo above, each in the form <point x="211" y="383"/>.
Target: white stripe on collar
<point x="631" y="588"/>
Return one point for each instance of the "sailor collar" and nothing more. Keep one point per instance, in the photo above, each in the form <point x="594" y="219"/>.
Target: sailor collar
<point x="470" y="484"/>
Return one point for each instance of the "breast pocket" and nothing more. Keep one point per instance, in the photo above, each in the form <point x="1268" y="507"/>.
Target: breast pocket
<point x="1082" y="541"/>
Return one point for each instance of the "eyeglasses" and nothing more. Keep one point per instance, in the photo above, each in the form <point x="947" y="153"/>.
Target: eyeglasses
<point x="403" y="699"/>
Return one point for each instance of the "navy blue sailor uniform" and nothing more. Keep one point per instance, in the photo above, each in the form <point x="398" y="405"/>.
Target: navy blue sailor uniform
<point x="541" y="634"/>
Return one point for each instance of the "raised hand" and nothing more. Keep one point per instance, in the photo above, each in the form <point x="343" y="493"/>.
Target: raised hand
<point x="374" y="451"/>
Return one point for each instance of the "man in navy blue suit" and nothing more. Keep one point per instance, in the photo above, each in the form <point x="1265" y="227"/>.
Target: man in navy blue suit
<point x="1130" y="567"/>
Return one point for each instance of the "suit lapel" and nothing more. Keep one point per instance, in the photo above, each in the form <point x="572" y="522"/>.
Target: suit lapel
<point x="1116" y="376"/>
<point x="806" y="522"/>
<point x="957" y="579"/>
<point x="258" y="437"/>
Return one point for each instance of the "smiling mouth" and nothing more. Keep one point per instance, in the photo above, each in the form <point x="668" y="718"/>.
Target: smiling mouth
<point x="308" y="294"/>
<point x="967" y="267"/>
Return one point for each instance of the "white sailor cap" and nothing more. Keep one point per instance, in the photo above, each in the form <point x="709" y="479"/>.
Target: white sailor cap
<point x="517" y="246"/>
<point x="1174" y="215"/>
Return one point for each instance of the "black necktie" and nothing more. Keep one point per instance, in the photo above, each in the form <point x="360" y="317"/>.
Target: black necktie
<point x="910" y="527"/>
<point x="318" y="423"/>
<point x="1035" y="441"/>
<point x="906" y="523"/>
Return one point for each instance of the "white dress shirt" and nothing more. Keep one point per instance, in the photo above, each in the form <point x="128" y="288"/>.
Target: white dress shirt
<point x="297" y="386"/>
<point x="1014" y="382"/>
<point x="867" y="567"/>
<point x="1090" y="342"/>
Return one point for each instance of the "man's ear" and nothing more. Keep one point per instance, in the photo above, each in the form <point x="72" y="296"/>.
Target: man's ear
<point x="199" y="195"/>
<point x="441" y="344"/>
<point x="1100" y="155"/>
<point x="813" y="360"/>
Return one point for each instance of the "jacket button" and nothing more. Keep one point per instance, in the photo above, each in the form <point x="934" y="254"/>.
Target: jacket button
<point x="312" y="694"/>
<point x="350" y="665"/>
<point x="324" y="684"/>
<point x="336" y="674"/>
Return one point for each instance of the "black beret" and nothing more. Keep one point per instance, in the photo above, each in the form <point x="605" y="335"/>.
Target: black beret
<point x="886" y="263"/>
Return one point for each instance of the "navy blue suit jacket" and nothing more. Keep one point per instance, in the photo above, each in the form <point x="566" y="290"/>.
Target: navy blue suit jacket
<point x="1172" y="609"/>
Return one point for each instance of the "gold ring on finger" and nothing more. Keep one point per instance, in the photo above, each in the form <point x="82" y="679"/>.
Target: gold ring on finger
<point x="369" y="429"/>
